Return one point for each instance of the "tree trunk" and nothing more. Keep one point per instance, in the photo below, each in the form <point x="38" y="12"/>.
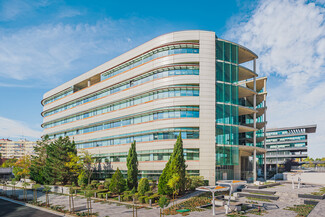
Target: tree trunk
<point x="69" y="203"/>
<point x="72" y="203"/>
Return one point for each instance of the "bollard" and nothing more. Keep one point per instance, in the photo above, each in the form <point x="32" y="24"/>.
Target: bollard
<point x="119" y="198"/>
<point x="106" y="196"/>
<point x="95" y="194"/>
<point x="150" y="202"/>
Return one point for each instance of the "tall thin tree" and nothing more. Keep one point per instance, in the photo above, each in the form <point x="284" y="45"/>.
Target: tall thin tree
<point x="132" y="165"/>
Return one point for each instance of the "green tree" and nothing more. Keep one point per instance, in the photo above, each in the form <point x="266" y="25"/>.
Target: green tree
<point x="82" y="179"/>
<point x="22" y="167"/>
<point x="13" y="183"/>
<point x="163" y="201"/>
<point x="163" y="179"/>
<point x="37" y="169"/>
<point x="117" y="185"/>
<point x="175" y="165"/>
<point x="25" y="184"/>
<point x="132" y="165"/>
<point x="58" y="155"/>
<point x="9" y="163"/>
<point x="143" y="186"/>
<point x="178" y="165"/>
<point x="174" y="183"/>
<point x="47" y="189"/>
<point x="35" y="187"/>
<point x="88" y="164"/>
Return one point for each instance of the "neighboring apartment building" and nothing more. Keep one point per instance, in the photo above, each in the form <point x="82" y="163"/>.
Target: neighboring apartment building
<point x="287" y="143"/>
<point x="16" y="149"/>
<point x="190" y="82"/>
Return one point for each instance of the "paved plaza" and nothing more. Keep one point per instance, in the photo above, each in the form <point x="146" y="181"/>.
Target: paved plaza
<point x="287" y="197"/>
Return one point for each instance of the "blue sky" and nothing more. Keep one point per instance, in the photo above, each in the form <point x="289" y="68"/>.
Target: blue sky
<point x="46" y="43"/>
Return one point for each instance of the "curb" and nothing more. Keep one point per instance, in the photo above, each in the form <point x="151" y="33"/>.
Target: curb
<point x="36" y="207"/>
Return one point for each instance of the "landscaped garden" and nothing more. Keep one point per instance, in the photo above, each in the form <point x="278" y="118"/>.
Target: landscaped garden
<point x="57" y="163"/>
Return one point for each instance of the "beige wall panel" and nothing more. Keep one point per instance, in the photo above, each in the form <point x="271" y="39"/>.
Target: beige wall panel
<point x="179" y="58"/>
<point x="171" y="37"/>
<point x="162" y="103"/>
<point x="138" y="90"/>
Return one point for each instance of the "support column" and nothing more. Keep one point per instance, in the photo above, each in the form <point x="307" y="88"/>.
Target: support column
<point x="88" y="82"/>
<point x="254" y="119"/>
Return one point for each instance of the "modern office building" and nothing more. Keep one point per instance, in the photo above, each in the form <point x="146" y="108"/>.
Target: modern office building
<point x="287" y="143"/>
<point x="16" y="149"/>
<point x="190" y="82"/>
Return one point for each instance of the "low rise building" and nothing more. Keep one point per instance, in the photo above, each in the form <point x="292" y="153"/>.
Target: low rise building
<point x="287" y="143"/>
<point x="16" y="149"/>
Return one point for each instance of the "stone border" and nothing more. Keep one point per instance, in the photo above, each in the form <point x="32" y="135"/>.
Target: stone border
<point x="311" y="196"/>
<point x="258" y="191"/>
<point x="311" y="202"/>
<point x="269" y="197"/>
<point x="263" y="186"/>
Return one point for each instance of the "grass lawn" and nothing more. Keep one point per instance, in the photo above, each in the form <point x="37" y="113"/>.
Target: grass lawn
<point x="259" y="199"/>
<point x="301" y="210"/>
<point x="320" y="192"/>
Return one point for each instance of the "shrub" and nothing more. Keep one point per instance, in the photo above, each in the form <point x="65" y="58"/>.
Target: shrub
<point x="128" y="197"/>
<point x="148" y="193"/>
<point x="154" y="198"/>
<point x="109" y="194"/>
<point x="100" y="187"/>
<point x="94" y="182"/>
<point x="136" y="196"/>
<point x="163" y="201"/>
<point x="153" y="184"/>
<point x="118" y="183"/>
<point x="196" y="181"/>
<point x="142" y="199"/>
<point x="143" y="186"/>
<point x="126" y="192"/>
<point x="82" y="179"/>
<point x="107" y="182"/>
<point x="133" y="190"/>
<point x="101" y="195"/>
<point x="89" y="187"/>
<point x="83" y="186"/>
<point x="146" y="199"/>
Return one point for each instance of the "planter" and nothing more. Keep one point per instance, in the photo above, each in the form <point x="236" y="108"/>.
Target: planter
<point x="258" y="191"/>
<point x="268" y="197"/>
<point x="311" y="202"/>
<point x="318" y="197"/>
<point x="263" y="186"/>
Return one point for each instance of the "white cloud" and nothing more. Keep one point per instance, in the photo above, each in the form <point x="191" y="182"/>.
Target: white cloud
<point x="289" y="37"/>
<point x="15" y="129"/>
<point x="69" y="12"/>
<point x="49" y="52"/>
<point x="9" y="10"/>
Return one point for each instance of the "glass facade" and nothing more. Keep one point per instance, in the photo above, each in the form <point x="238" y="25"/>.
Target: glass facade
<point x="169" y="114"/>
<point x="156" y="74"/>
<point x="148" y="155"/>
<point x="160" y="94"/>
<point x="142" y="136"/>
<point x="154" y="54"/>
<point x="286" y="144"/>
<point x="227" y="135"/>
<point x="59" y="96"/>
<point x="150" y="174"/>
